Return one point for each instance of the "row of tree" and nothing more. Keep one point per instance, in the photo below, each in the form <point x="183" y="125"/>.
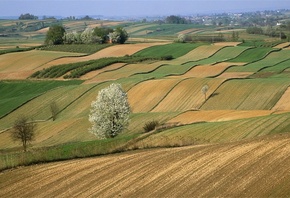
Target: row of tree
<point x="269" y="31"/>
<point x="57" y="35"/>
<point x="27" y="16"/>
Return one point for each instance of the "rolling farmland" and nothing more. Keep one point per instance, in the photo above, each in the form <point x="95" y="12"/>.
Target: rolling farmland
<point x="229" y="136"/>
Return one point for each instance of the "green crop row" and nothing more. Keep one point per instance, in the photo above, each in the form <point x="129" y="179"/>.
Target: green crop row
<point x="17" y="49"/>
<point x="78" y="69"/>
<point x="253" y="54"/>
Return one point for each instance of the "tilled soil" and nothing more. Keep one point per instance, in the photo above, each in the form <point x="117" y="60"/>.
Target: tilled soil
<point x="251" y="168"/>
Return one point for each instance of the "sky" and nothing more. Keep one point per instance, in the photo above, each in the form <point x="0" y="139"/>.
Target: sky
<point x="134" y="7"/>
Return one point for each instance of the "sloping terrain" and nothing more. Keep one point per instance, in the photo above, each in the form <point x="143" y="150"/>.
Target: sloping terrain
<point x="113" y="51"/>
<point x="247" y="94"/>
<point x="255" y="168"/>
<point x="21" y="65"/>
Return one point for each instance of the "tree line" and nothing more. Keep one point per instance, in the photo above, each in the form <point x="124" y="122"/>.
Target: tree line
<point x="281" y="31"/>
<point x="57" y="35"/>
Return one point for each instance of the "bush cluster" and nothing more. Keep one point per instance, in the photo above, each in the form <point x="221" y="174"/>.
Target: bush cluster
<point x="150" y="125"/>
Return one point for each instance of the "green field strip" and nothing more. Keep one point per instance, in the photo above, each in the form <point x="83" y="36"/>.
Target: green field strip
<point x="222" y="55"/>
<point x="16" y="93"/>
<point x="272" y="59"/>
<point x="284" y="74"/>
<point x="253" y="54"/>
<point x="166" y="70"/>
<point x="280" y="67"/>
<point x="226" y="131"/>
<point x="174" y="49"/>
<point x="187" y="95"/>
<point x="39" y="108"/>
<point x="249" y="94"/>
<point x="166" y="29"/>
<point x="135" y="29"/>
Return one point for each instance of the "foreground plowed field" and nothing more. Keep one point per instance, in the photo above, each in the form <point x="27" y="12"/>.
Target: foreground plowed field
<point x="252" y="168"/>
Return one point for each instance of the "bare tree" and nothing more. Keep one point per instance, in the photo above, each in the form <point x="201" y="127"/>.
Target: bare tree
<point x="23" y="131"/>
<point x="54" y="110"/>
<point x="204" y="90"/>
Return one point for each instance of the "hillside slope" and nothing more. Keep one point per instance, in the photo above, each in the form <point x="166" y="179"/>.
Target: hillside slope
<point x="252" y="168"/>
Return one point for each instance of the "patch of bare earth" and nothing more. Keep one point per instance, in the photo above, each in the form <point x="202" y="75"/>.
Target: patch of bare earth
<point x="283" y="45"/>
<point x="227" y="43"/>
<point x="252" y="168"/>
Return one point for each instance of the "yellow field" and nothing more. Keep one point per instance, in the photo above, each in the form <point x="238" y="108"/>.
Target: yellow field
<point x="90" y="76"/>
<point x="200" y="53"/>
<point x="217" y="115"/>
<point x="227" y="75"/>
<point x="227" y="43"/>
<point x="144" y="96"/>
<point x="283" y="45"/>
<point x="209" y="70"/>
<point x="187" y="95"/>
<point x="21" y="65"/>
<point x="284" y="103"/>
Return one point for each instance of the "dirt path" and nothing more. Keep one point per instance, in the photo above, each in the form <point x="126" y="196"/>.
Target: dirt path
<point x="252" y="168"/>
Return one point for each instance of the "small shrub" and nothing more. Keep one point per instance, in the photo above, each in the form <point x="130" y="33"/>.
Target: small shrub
<point x="167" y="57"/>
<point x="150" y="126"/>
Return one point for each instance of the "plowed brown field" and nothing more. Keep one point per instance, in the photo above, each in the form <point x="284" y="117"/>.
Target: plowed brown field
<point x="252" y="168"/>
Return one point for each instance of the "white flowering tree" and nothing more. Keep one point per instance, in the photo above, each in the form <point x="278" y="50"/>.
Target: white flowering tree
<point x="86" y="36"/>
<point x="110" y="112"/>
<point x="181" y="38"/>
